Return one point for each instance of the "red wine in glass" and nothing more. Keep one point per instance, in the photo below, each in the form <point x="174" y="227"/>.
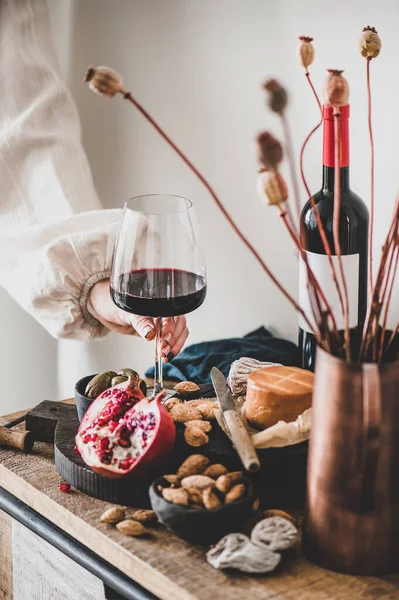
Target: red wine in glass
<point x="158" y="268"/>
<point x="159" y="292"/>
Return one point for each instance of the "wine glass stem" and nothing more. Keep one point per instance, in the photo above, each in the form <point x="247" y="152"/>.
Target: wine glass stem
<point x="158" y="382"/>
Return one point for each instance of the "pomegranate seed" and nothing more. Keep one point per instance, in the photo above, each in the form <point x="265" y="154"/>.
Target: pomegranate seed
<point x="104" y="444"/>
<point x="77" y="450"/>
<point x="65" y="487"/>
<point x="124" y="443"/>
<point x="106" y="459"/>
<point x="126" y="463"/>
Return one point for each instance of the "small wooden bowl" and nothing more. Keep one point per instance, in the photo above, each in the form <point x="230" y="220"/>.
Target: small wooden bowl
<point x="82" y="401"/>
<point x="202" y="527"/>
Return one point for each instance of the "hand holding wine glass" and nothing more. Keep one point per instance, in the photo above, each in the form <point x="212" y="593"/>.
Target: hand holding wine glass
<point x="158" y="268"/>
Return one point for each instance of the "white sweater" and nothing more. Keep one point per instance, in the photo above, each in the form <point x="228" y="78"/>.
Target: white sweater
<point x="55" y="241"/>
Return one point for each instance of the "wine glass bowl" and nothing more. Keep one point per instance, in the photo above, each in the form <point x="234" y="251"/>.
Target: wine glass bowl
<point x="158" y="266"/>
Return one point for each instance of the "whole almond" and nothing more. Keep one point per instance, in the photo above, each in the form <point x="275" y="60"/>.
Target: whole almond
<point x="199" y="482"/>
<point x="207" y="411"/>
<point x="176" y="496"/>
<point x="144" y="516"/>
<point x="133" y="528"/>
<point x="203" y="425"/>
<point x="225" y="482"/>
<point x="215" y="471"/>
<point x="113" y="515"/>
<point x="236" y="492"/>
<point x="174" y="480"/>
<point x="193" y="465"/>
<point x="195" y="495"/>
<point x="210" y="499"/>
<point x="173" y="402"/>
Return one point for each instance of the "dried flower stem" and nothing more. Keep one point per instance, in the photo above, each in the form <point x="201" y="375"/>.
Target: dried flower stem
<point x="316" y="213"/>
<point x="388" y="291"/>
<point x="370" y="127"/>
<point x="392" y="338"/>
<point x="337" y="212"/>
<point x="291" y="163"/>
<point x="147" y="116"/>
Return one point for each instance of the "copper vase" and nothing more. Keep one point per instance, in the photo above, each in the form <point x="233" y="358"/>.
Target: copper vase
<point x="352" y="521"/>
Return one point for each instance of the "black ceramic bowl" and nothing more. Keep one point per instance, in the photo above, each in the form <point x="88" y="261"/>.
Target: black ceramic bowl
<point x="202" y="527"/>
<point x="82" y="401"/>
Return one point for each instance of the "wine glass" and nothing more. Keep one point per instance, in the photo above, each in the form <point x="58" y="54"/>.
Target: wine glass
<point x="158" y="268"/>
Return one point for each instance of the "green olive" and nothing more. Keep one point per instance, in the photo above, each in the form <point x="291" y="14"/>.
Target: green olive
<point x="99" y="384"/>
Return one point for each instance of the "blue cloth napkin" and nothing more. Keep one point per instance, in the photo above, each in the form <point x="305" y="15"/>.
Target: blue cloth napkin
<point x="197" y="360"/>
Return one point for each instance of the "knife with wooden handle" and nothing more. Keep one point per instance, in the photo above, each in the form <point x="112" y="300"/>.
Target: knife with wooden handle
<point x="21" y="440"/>
<point x="234" y="424"/>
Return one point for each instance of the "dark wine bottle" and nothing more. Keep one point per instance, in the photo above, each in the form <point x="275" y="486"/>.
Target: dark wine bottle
<point x="353" y="235"/>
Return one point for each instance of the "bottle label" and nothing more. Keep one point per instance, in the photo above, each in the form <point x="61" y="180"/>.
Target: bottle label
<point x="320" y="265"/>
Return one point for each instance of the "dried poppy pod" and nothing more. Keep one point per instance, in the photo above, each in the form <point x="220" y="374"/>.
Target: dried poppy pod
<point x="272" y="188"/>
<point x="306" y="51"/>
<point x="270" y="152"/>
<point x="336" y="88"/>
<point x="370" y="43"/>
<point x="278" y="97"/>
<point x="103" y="81"/>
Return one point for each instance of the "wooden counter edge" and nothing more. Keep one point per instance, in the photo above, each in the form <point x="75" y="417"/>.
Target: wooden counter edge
<point x="89" y="536"/>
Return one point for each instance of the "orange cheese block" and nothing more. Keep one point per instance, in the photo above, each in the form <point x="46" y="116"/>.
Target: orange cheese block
<point x="277" y="394"/>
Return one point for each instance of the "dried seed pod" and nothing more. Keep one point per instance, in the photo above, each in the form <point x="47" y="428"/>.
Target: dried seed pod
<point x="225" y="482"/>
<point x="210" y="499"/>
<point x="174" y="480"/>
<point x="195" y="495"/>
<point x="207" y="410"/>
<point x="370" y="43"/>
<point x="144" y="516"/>
<point x="193" y="465"/>
<point x="236" y="492"/>
<point x="278" y="97"/>
<point x="172" y="402"/>
<point x="113" y="515"/>
<point x="306" y="51"/>
<point x="336" y="88"/>
<point x="195" y="437"/>
<point x="270" y="151"/>
<point x="133" y="528"/>
<point x="203" y="425"/>
<point x="274" y="533"/>
<point x="186" y="386"/>
<point x="181" y="413"/>
<point x="176" y="496"/>
<point x="272" y="188"/>
<point x="235" y="551"/>
<point x="278" y="513"/>
<point x="215" y="471"/>
<point x="200" y="482"/>
<point x="104" y="81"/>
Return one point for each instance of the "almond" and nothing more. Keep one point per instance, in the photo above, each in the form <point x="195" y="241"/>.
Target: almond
<point x="113" y="515"/>
<point x="144" y="516"/>
<point x="199" y="482"/>
<point x="195" y="437"/>
<point x="210" y="499"/>
<point x="176" y="496"/>
<point x="225" y="482"/>
<point x="133" y="528"/>
<point x="236" y="492"/>
<point x="193" y="465"/>
<point x="215" y="471"/>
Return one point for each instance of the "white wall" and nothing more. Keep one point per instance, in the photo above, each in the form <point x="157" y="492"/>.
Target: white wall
<point x="197" y="66"/>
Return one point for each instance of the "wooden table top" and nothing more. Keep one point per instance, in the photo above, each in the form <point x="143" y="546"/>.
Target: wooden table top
<point x="165" y="565"/>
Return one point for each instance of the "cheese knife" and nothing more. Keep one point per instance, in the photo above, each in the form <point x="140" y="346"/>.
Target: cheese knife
<point x="234" y="424"/>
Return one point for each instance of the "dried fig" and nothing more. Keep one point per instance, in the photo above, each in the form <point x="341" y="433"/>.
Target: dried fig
<point x="193" y="465"/>
<point x="225" y="482"/>
<point x="176" y="496"/>
<point x="236" y="492"/>
<point x="113" y="515"/>
<point x="99" y="384"/>
<point x="200" y="482"/>
<point x="236" y="551"/>
<point x="215" y="471"/>
<point x="210" y="499"/>
<point x="195" y="437"/>
<point x="181" y="413"/>
<point x="275" y="534"/>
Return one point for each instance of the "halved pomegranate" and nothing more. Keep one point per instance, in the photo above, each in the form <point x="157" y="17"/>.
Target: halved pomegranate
<point x="125" y="434"/>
